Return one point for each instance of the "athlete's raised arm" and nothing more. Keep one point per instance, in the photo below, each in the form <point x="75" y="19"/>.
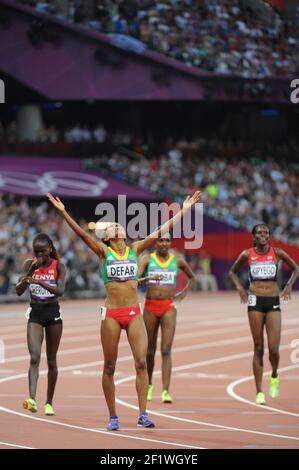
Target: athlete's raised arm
<point x="97" y="247"/>
<point x="151" y="239"/>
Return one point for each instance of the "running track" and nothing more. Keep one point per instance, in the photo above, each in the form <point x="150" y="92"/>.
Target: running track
<point x="212" y="384"/>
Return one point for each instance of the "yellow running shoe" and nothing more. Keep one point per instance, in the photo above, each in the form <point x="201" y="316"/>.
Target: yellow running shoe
<point x="260" y="398"/>
<point x="274" y="387"/>
<point x="150" y="392"/>
<point x="49" y="410"/>
<point x="165" y="397"/>
<point x="30" y="405"/>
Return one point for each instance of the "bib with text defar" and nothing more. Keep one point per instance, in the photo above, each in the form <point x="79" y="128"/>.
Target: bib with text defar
<point x="120" y="268"/>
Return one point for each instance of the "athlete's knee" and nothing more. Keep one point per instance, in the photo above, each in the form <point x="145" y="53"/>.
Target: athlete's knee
<point x="274" y="352"/>
<point x="166" y="350"/>
<point x="140" y="365"/>
<point x="34" y="359"/>
<point x="109" y="367"/>
<point x="259" y="350"/>
<point x="52" y="364"/>
<point x="151" y="353"/>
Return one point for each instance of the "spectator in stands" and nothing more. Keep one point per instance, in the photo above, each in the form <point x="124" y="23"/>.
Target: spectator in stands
<point x="205" y="280"/>
<point x="222" y="36"/>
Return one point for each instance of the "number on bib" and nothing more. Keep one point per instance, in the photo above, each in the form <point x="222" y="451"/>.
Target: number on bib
<point x="251" y="300"/>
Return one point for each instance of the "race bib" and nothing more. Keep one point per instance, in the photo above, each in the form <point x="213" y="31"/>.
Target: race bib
<point x="125" y="270"/>
<point x="39" y="292"/>
<point x="251" y="300"/>
<point x="168" y="277"/>
<point x="263" y="271"/>
<point x="27" y="313"/>
<point x="103" y="312"/>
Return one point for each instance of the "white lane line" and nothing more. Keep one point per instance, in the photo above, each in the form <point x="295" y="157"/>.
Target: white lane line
<point x="188" y="366"/>
<point x="195" y="347"/>
<point x="82" y="366"/>
<point x="193" y="421"/>
<point x="65" y="352"/>
<point x="231" y="392"/>
<point x="98" y="431"/>
<point x="70" y="331"/>
<point x="67" y="339"/>
<point x="9" y="444"/>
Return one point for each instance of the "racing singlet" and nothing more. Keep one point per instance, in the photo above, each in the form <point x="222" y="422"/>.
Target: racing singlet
<point x="262" y="267"/>
<point x="120" y="268"/>
<point x="47" y="275"/>
<point x="168" y="269"/>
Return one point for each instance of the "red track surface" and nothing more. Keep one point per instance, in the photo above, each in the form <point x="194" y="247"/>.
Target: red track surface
<point x="212" y="350"/>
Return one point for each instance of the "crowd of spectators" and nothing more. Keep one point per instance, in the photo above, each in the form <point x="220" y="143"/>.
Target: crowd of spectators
<point x="78" y="133"/>
<point x="20" y="221"/>
<point x="241" y="185"/>
<point x="221" y="36"/>
<point x="242" y="182"/>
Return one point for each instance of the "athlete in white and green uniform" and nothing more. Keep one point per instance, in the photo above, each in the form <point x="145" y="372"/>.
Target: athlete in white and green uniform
<point x="122" y="302"/>
<point x="159" y="307"/>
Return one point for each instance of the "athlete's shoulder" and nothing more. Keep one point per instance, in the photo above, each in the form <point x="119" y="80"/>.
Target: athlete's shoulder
<point x="246" y="253"/>
<point x="279" y="252"/>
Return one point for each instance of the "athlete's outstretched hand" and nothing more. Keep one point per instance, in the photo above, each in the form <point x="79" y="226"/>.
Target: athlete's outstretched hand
<point x="56" y="202"/>
<point x="191" y="200"/>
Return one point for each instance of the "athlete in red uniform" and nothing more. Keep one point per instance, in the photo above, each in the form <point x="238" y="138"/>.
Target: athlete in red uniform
<point x="45" y="277"/>
<point x="264" y="302"/>
<point x="160" y="309"/>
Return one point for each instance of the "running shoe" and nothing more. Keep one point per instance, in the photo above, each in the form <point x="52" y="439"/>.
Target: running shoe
<point x="144" y="421"/>
<point x="260" y="398"/>
<point x="49" y="411"/>
<point x="113" y="424"/>
<point x="30" y="405"/>
<point x="165" y="397"/>
<point x="150" y="392"/>
<point x="274" y="387"/>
